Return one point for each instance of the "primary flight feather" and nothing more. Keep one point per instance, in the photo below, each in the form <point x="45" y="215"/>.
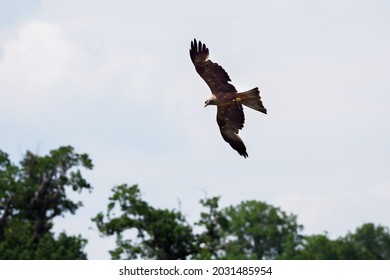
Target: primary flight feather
<point x="230" y="113"/>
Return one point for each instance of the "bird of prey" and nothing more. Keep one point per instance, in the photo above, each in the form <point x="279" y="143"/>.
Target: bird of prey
<point x="230" y="114"/>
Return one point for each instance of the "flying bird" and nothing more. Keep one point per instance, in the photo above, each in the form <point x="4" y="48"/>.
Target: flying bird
<point x="230" y="113"/>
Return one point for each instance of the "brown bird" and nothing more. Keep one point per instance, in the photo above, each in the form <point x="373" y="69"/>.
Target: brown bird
<point x="230" y="114"/>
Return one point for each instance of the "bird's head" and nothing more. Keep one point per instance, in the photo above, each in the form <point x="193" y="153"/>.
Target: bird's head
<point x="211" y="101"/>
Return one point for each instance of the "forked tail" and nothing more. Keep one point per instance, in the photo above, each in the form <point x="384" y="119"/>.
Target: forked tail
<point x="252" y="99"/>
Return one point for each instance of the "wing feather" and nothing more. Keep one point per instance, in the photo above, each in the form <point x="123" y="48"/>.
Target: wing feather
<point x="230" y="119"/>
<point x="214" y="75"/>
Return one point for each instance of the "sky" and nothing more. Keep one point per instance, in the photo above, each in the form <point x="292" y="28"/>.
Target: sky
<point x="114" y="80"/>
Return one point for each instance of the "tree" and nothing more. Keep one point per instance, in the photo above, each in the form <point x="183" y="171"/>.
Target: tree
<point x="160" y="234"/>
<point x="369" y="242"/>
<point x="32" y="195"/>
<point x="248" y="231"/>
<point x="214" y="223"/>
<point x="259" y="231"/>
<point x="316" y="247"/>
<point x="34" y="192"/>
<point x="8" y="188"/>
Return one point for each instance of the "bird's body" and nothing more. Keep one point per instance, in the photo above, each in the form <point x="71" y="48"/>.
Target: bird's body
<point x="230" y="114"/>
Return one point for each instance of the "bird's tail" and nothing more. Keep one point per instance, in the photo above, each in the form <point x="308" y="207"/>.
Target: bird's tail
<point x="252" y="99"/>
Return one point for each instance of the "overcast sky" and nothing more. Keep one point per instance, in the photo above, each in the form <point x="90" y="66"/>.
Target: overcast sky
<point x="114" y="79"/>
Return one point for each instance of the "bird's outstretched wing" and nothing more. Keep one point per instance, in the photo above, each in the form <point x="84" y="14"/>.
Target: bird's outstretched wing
<point x="214" y="75"/>
<point x="230" y="119"/>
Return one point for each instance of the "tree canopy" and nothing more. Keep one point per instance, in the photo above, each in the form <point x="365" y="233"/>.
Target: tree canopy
<point x="160" y="234"/>
<point x="32" y="194"/>
<point x="35" y="191"/>
<point x="249" y="230"/>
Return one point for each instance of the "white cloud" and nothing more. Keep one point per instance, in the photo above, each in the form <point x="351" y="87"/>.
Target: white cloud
<point x="49" y="73"/>
<point x="33" y="64"/>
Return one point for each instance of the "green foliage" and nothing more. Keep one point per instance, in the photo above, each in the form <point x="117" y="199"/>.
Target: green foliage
<point x="317" y="247"/>
<point x="259" y="231"/>
<point x="210" y="243"/>
<point x="160" y="234"/>
<point x="34" y="192"/>
<point x="63" y="247"/>
<point x="369" y="242"/>
<point x="251" y="230"/>
<point x="31" y="196"/>
<point x="18" y="245"/>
